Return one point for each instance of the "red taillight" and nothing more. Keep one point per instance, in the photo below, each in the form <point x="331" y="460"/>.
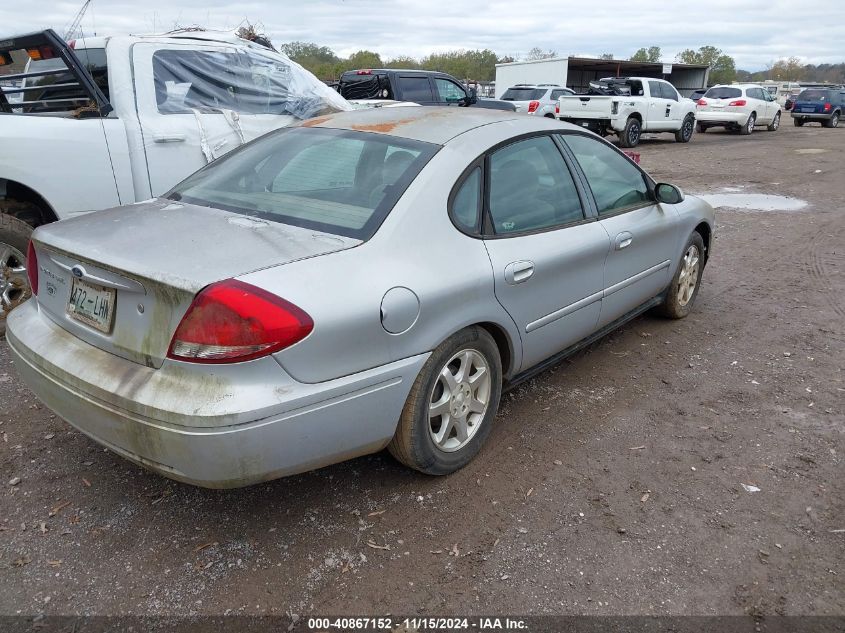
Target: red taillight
<point x="737" y="103"/>
<point x="232" y="321"/>
<point x="557" y="108"/>
<point x="32" y="268"/>
<point x="701" y="102"/>
<point x="827" y="107"/>
<point x="533" y="105"/>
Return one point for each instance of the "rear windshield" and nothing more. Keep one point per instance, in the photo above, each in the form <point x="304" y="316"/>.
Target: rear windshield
<point x="523" y="94"/>
<point x="354" y="86"/>
<point x="337" y="181"/>
<point x="723" y="93"/>
<point x="813" y="95"/>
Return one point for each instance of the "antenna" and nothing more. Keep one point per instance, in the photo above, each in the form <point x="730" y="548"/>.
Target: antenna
<point x="70" y="31"/>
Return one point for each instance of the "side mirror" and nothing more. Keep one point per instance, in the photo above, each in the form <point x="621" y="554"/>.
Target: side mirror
<point x="668" y="194"/>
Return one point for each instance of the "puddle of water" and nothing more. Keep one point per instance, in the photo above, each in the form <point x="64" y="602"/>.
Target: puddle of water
<point x="753" y="201"/>
<point x="810" y="150"/>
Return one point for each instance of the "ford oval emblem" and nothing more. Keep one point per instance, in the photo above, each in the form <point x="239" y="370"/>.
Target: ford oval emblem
<point x="78" y="271"/>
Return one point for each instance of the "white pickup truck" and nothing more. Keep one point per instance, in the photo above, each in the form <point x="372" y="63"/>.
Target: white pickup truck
<point x="629" y="106"/>
<point x="104" y="122"/>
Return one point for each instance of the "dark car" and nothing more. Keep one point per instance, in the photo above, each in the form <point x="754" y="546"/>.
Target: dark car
<point x="698" y="94"/>
<point x="823" y="105"/>
<point x="425" y="87"/>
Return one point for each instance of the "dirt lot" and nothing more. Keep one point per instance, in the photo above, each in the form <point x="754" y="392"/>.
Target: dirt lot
<point x="612" y="484"/>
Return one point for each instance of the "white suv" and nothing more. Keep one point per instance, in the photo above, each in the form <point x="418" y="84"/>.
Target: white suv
<point x="539" y="99"/>
<point x="737" y="107"/>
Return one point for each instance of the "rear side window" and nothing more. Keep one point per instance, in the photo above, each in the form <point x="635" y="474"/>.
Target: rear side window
<point x="615" y="182"/>
<point x="557" y="94"/>
<point x="415" y="89"/>
<point x="723" y="93"/>
<point x="59" y="91"/>
<point x="466" y="205"/>
<point x="531" y="188"/>
<point x="336" y="181"/>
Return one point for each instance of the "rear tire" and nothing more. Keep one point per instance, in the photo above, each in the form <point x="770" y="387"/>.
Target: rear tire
<point x="687" y="128"/>
<point x="700" y="128"/>
<point x="748" y="128"/>
<point x="682" y="291"/>
<point x="14" y="284"/>
<point x="797" y="122"/>
<point x="833" y="121"/>
<point x="452" y="381"/>
<point x="630" y="136"/>
<point x="775" y="124"/>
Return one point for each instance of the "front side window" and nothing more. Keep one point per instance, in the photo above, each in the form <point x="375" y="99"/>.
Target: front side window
<point x="335" y="181"/>
<point x="615" y="182"/>
<point x="246" y="81"/>
<point x="449" y="91"/>
<point x="668" y="92"/>
<point x="415" y="89"/>
<point x="531" y="188"/>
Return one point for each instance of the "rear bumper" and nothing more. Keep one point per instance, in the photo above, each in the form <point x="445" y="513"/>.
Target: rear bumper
<point x="599" y="126"/>
<point x="297" y="427"/>
<point x="721" y="118"/>
<point x="812" y="116"/>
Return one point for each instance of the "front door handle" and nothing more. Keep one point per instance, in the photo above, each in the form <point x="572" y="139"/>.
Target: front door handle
<point x="517" y="272"/>
<point x="623" y="240"/>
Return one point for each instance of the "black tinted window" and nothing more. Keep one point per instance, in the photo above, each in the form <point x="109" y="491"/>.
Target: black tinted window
<point x="614" y="180"/>
<point x="415" y="89"/>
<point x="813" y="95"/>
<point x="531" y="187"/>
<point x="522" y="94"/>
<point x="723" y="93"/>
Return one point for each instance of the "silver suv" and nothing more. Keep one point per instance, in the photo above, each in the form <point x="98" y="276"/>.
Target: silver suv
<point x="539" y="99"/>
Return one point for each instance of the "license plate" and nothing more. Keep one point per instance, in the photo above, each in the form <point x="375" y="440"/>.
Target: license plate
<point x="92" y="305"/>
<point x="808" y="109"/>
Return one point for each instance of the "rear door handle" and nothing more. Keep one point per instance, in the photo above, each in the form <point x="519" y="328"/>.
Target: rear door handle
<point x="623" y="240"/>
<point x="517" y="272"/>
<point x="173" y="138"/>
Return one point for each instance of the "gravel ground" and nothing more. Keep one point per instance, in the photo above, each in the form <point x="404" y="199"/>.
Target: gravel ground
<point x="621" y="482"/>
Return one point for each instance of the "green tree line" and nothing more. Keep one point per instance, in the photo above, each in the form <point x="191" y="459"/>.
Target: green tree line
<point x="479" y="65"/>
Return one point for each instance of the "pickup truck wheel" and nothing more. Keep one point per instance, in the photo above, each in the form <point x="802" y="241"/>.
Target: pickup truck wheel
<point x="832" y="121"/>
<point x="14" y="284"/>
<point x="748" y="128"/>
<point x="630" y="136"/>
<point x="775" y="124"/>
<point x="700" y="128"/>
<point x="687" y="127"/>
<point x="450" y="409"/>
<point x="683" y="290"/>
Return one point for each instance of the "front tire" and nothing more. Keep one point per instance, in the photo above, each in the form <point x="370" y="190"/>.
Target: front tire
<point x="775" y="124"/>
<point x="681" y="294"/>
<point x="748" y="128"/>
<point x="14" y="283"/>
<point x="452" y="404"/>
<point x="630" y="136"/>
<point x="687" y="127"/>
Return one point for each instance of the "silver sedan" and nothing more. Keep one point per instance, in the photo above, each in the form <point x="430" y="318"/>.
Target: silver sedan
<point x="369" y="279"/>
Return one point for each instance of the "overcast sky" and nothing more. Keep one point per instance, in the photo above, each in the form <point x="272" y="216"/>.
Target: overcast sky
<point x="755" y="33"/>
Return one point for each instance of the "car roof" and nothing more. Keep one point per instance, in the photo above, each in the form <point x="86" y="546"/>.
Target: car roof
<point x="432" y="124"/>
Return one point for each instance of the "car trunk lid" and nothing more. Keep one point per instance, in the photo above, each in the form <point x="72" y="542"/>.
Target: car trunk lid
<point x="122" y="279"/>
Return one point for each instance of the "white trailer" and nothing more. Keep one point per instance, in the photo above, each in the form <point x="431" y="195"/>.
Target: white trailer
<point x="541" y="71"/>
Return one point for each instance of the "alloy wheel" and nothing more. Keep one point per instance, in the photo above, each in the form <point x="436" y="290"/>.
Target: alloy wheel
<point x="459" y="400"/>
<point x="688" y="279"/>
<point x="14" y="284"/>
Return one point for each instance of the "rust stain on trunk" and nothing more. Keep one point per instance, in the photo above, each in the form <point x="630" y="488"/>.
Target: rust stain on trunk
<point x="317" y="121"/>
